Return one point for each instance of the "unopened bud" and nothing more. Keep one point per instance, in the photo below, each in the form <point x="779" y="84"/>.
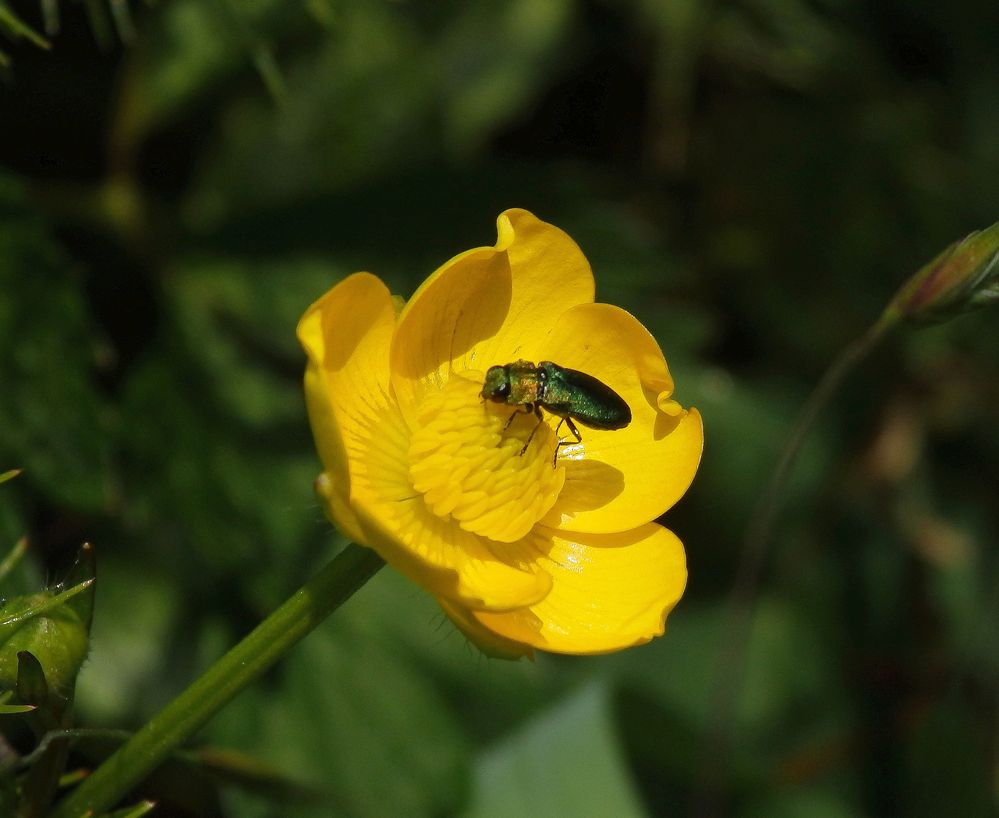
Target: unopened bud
<point x="55" y="635"/>
<point x="964" y="277"/>
<point x="50" y="629"/>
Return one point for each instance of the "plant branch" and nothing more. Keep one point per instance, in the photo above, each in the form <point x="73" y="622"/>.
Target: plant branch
<point x="756" y="543"/>
<point x="186" y="714"/>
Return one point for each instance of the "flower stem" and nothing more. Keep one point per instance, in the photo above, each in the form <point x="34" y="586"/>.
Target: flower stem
<point x="186" y="714"/>
<point x="761" y="524"/>
<point x="754" y="551"/>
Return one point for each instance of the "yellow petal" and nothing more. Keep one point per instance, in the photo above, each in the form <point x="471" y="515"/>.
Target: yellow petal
<point x="346" y="335"/>
<point x="487" y="306"/>
<point x="609" y="591"/>
<point x="364" y="442"/>
<point x="616" y="480"/>
<point x="489" y="643"/>
<point x="434" y="552"/>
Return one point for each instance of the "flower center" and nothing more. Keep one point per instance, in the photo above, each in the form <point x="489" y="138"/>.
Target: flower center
<point x="470" y="469"/>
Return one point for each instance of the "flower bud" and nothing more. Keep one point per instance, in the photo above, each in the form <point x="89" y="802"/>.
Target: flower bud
<point x="53" y="627"/>
<point x="962" y="278"/>
<point x="56" y="636"/>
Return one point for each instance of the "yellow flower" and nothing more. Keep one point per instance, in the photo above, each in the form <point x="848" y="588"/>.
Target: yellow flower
<point x="519" y="552"/>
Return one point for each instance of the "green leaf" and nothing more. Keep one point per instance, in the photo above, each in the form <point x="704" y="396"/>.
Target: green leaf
<point x="566" y="761"/>
<point x="49" y="403"/>
<point x="812" y="800"/>
<point x="13" y="709"/>
<point x="20" y="610"/>
<point x="134" y="811"/>
<point x="16" y="28"/>
<point x="240" y="318"/>
<point x="31" y="685"/>
<point x="13" y="557"/>
<point x="9" y="709"/>
<point x="191" y="49"/>
<point x="132" y="664"/>
<point x="100" y="23"/>
<point x="254" y="775"/>
<point x="789" y="665"/>
<point x="503" y="46"/>
<point x="362" y="709"/>
<point x="947" y="767"/>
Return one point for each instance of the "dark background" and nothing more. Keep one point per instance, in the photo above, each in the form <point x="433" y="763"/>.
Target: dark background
<point x="752" y="179"/>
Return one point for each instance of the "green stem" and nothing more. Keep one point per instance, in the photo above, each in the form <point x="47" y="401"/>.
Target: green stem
<point x="753" y="558"/>
<point x="186" y="714"/>
<point x="760" y="526"/>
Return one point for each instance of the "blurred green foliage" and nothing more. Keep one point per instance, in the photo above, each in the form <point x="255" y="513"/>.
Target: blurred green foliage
<point x="753" y="179"/>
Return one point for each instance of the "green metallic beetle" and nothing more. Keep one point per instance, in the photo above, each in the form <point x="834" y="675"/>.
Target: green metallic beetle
<point x="567" y="393"/>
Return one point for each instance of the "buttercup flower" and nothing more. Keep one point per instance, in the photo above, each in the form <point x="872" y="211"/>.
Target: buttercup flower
<point x="549" y="546"/>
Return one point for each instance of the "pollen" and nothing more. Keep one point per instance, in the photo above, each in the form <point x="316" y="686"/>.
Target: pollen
<point x="471" y="469"/>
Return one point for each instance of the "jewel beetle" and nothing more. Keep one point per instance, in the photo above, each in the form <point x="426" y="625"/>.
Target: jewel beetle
<point x="569" y="394"/>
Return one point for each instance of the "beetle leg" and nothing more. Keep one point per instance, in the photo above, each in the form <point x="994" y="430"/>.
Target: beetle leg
<point x="558" y="444"/>
<point x="526" y="410"/>
<point x="573" y="429"/>
<point x="575" y="433"/>
<point x="530" y="437"/>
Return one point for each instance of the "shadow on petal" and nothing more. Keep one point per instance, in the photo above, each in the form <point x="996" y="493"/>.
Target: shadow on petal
<point x="589" y="484"/>
<point x="665" y="424"/>
<point x="466" y="305"/>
